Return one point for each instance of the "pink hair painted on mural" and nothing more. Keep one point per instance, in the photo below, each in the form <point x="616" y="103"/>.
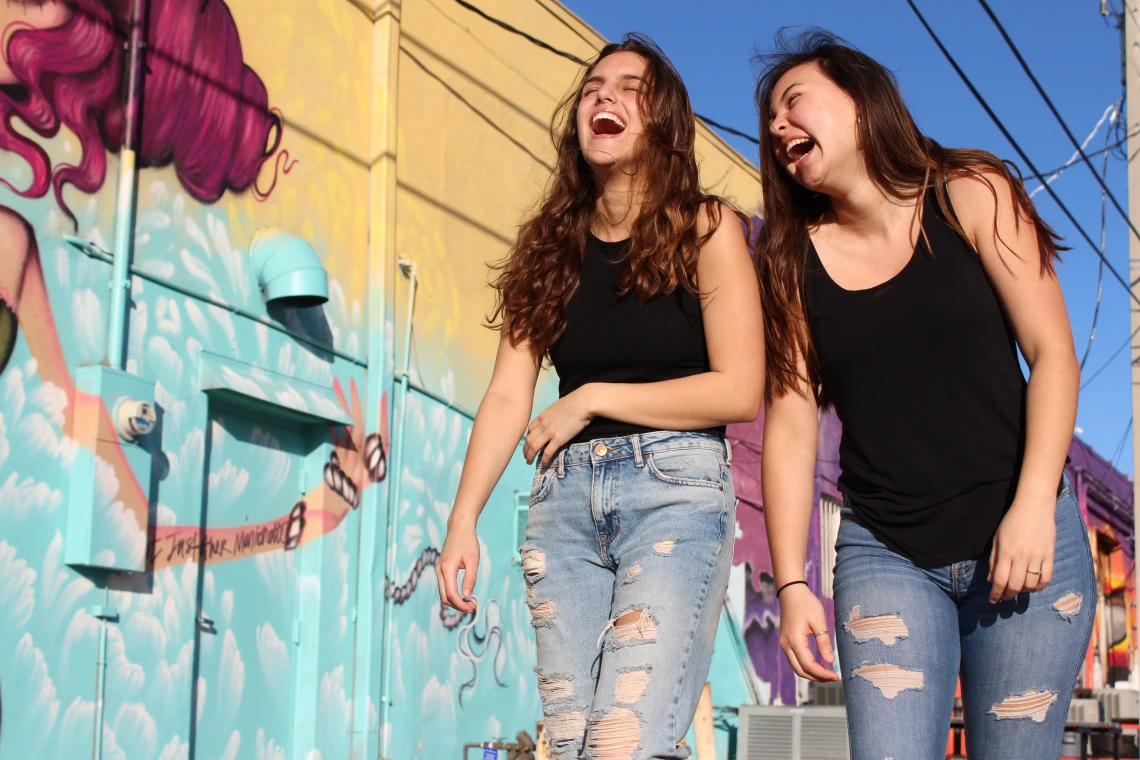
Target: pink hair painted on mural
<point x="203" y="110"/>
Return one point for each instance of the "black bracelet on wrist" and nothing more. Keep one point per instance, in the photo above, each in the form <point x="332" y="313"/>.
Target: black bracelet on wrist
<point x="790" y="583"/>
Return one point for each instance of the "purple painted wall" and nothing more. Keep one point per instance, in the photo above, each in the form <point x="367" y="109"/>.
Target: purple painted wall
<point x="1105" y="497"/>
<point x="761" y="618"/>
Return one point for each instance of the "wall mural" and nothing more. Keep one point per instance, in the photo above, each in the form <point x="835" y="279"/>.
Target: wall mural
<point x="1105" y="498"/>
<point x="760" y="621"/>
<point x="456" y="678"/>
<point x="209" y="653"/>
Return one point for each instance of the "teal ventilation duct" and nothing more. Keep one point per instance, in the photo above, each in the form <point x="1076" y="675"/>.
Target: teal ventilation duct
<point x="288" y="270"/>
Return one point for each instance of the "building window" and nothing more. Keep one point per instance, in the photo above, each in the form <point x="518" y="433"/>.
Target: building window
<point x="828" y="532"/>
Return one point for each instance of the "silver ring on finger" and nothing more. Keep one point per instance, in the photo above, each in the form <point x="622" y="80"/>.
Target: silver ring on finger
<point x="1033" y="572"/>
<point x="821" y="633"/>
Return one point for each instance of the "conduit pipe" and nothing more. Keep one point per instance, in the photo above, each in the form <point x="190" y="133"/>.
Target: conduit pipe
<point x="100" y="687"/>
<point x="105" y="615"/>
<point x="408" y="269"/>
<point x="121" y="287"/>
<point x="127" y="191"/>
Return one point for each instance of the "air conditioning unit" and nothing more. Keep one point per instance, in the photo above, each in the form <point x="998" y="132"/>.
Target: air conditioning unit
<point x="1120" y="705"/>
<point x="828" y="694"/>
<point x="792" y="733"/>
<point x="1084" y="711"/>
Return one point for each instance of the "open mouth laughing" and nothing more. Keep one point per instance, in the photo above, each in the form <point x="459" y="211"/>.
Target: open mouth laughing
<point x="607" y="124"/>
<point x="799" y="149"/>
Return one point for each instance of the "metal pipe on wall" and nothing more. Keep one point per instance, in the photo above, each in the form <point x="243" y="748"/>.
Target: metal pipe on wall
<point x="121" y="285"/>
<point x="409" y="270"/>
<point x="127" y="191"/>
<point x="105" y="615"/>
<point x="100" y="688"/>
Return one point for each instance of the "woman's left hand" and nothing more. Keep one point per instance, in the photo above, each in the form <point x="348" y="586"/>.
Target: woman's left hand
<point x="1022" y="554"/>
<point x="557" y="425"/>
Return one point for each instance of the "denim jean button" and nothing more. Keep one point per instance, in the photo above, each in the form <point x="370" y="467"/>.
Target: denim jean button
<point x="601" y="450"/>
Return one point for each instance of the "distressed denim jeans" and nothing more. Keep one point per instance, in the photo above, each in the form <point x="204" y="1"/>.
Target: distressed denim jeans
<point x="627" y="555"/>
<point x="905" y="633"/>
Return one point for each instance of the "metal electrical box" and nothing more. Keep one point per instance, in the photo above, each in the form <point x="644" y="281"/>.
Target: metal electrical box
<point x="108" y="505"/>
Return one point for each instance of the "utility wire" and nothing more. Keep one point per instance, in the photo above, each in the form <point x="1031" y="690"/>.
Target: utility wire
<point x="1110" y="111"/>
<point x="1057" y="115"/>
<point x="1120" y="446"/>
<point x="1076" y="158"/>
<point x="1017" y="147"/>
<point x="514" y="30"/>
<point x="1115" y="353"/>
<point x="582" y="62"/>
<point x="1103" y="240"/>
<point x="723" y="128"/>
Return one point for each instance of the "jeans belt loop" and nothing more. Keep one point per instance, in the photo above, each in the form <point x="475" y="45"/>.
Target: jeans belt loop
<point x="728" y="451"/>
<point x="638" y="460"/>
<point x="562" y="464"/>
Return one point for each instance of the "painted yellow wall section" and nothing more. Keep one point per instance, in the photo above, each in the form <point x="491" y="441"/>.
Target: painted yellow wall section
<point x="315" y="58"/>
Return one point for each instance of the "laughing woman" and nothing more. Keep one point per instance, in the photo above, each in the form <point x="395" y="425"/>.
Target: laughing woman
<point x="639" y="288"/>
<point x="900" y="279"/>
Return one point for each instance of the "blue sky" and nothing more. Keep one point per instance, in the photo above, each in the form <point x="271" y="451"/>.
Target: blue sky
<point x="1073" y="52"/>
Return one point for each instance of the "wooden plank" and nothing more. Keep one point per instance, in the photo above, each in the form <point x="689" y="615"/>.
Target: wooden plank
<point x="703" y="730"/>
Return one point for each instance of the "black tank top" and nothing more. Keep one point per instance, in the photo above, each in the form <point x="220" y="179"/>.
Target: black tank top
<point x="617" y="340"/>
<point x="924" y="376"/>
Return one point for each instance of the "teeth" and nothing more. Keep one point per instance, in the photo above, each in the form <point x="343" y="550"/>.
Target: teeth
<point x="611" y="116"/>
<point x="792" y="148"/>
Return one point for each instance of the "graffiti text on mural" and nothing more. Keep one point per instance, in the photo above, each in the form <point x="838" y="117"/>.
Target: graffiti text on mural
<point x="190" y="543"/>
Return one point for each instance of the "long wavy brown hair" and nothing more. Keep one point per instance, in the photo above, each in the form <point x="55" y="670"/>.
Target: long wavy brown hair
<point x="539" y="276"/>
<point x="900" y="159"/>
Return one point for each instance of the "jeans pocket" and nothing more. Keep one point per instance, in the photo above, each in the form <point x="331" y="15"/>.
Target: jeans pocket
<point x="686" y="467"/>
<point x="540" y="486"/>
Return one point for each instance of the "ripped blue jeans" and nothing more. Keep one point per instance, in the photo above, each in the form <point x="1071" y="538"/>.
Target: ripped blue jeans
<point x="627" y="555"/>
<point x="905" y="633"/>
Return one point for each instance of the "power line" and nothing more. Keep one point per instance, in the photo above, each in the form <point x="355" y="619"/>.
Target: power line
<point x="1017" y="147"/>
<point x="1108" y="112"/>
<point x="1076" y="158"/>
<point x="723" y="128"/>
<point x="1120" y="446"/>
<point x="1115" y="354"/>
<point x="1057" y="115"/>
<point x="514" y="30"/>
<point x="1103" y="239"/>
<point x="582" y="62"/>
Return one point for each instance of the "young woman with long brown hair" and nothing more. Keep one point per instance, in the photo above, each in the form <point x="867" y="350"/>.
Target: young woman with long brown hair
<point x="900" y="278"/>
<point x="638" y="287"/>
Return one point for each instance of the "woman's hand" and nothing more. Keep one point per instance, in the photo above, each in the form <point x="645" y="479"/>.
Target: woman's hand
<point x="557" y="425"/>
<point x="460" y="552"/>
<point x="1022" y="555"/>
<point x="801" y="619"/>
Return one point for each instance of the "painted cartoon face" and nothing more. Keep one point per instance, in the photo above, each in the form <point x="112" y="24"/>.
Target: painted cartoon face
<point x="17" y="14"/>
<point x="813" y="127"/>
<point x="609" y="111"/>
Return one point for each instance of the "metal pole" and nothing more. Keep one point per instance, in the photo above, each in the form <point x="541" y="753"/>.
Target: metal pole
<point x="409" y="271"/>
<point x="127" y="192"/>
<point x="100" y="687"/>
<point x="1130" y="19"/>
<point x="105" y="615"/>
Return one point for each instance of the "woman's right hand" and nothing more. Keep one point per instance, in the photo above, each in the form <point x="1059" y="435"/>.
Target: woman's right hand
<point x="801" y="618"/>
<point x="460" y="551"/>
